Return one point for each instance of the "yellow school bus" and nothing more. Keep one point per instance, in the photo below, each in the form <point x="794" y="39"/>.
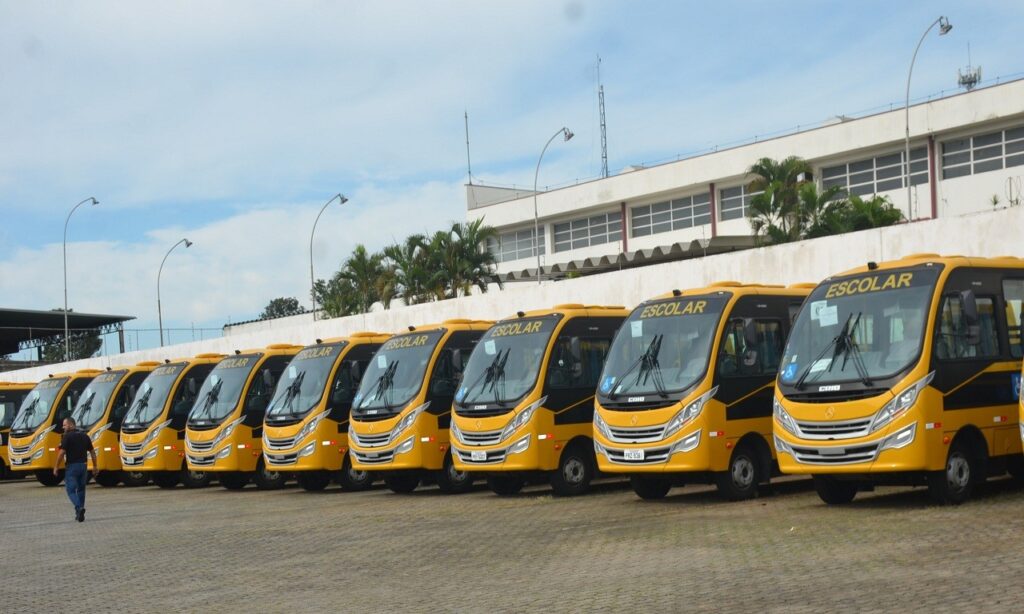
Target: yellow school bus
<point x="400" y="416"/>
<point x="305" y="430"/>
<point x="153" y="429"/>
<point x="224" y="431"/>
<point x="38" y="426"/>
<point x="525" y="408"/>
<point x="12" y="394"/>
<point x="101" y="409"/>
<point x="904" y="372"/>
<point x="686" y="394"/>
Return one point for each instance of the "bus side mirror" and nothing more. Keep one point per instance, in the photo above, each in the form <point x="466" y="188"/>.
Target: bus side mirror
<point x="969" y="308"/>
<point x="355" y="372"/>
<point x="132" y="391"/>
<point x="750" y="342"/>
<point x="191" y="385"/>
<point x="457" y="361"/>
<point x="268" y="378"/>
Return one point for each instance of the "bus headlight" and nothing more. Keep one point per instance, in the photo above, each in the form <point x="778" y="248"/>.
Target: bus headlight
<point x="306" y="451"/>
<point x="686" y="444"/>
<point x="900" y="439"/>
<point x="153" y="434"/>
<point x="96" y="434"/>
<point x="226" y="432"/>
<point x="900" y="403"/>
<point x="521" y="419"/>
<point x="38" y="454"/>
<point x="311" y="426"/>
<point x="406" y="422"/>
<point x="783" y="417"/>
<point x="456" y="434"/>
<point x="150" y="454"/>
<point x="225" y="452"/>
<point x="405" y="446"/>
<point x="40" y="437"/>
<point x="520" y="446"/>
<point x="687" y="414"/>
<point x="601" y="426"/>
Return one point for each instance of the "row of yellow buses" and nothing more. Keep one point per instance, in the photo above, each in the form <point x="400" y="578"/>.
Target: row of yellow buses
<point x="904" y="372"/>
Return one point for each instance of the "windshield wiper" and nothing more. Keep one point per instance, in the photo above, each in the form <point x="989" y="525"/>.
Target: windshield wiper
<point x="383" y="385"/>
<point x="134" y="415"/>
<point x="844" y="345"/>
<point x="499" y="375"/>
<point x="487" y="376"/>
<point x="291" y="392"/>
<point x="650" y="368"/>
<point x="209" y="399"/>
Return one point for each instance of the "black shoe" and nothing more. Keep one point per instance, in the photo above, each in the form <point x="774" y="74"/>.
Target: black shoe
<point x="80" y="514"/>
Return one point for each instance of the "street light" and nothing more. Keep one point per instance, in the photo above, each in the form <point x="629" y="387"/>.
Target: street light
<point x="312" y="283"/>
<point x="944" y="28"/>
<point x="67" y="340"/>
<point x="159" y="310"/>
<point x="567" y="134"/>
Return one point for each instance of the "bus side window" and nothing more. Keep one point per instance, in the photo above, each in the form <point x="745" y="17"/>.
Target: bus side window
<point x="951" y="339"/>
<point x="734" y="349"/>
<point x="1013" y="294"/>
<point x="576" y="362"/>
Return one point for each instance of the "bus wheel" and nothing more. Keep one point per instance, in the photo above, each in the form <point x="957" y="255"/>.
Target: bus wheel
<point x="352" y="480"/>
<point x="166" y="479"/>
<point x="452" y="481"/>
<point x="194" y="479"/>
<point x="135" y="478"/>
<point x="269" y="480"/>
<point x="505" y="485"/>
<point x="576" y="468"/>
<point x="313" y="481"/>
<point x="108" y="478"/>
<point x="650" y="488"/>
<point x="957" y="482"/>
<point x="234" y="480"/>
<point x="833" y="491"/>
<point x="402" y="482"/>
<point x="739" y="482"/>
<point x="46" y="478"/>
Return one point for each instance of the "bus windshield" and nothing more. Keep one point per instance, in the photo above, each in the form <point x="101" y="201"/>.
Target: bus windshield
<point x="93" y="402"/>
<point x="35" y="409"/>
<point x="302" y="385"/>
<point x="395" y="374"/>
<point x="663" y="347"/>
<point x="9" y="402"/>
<point x="152" y="395"/>
<point x="860" y="328"/>
<point x="219" y="394"/>
<point x="504" y="365"/>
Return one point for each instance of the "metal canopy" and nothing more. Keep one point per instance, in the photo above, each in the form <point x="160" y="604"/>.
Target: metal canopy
<point x="641" y="257"/>
<point x="27" y="328"/>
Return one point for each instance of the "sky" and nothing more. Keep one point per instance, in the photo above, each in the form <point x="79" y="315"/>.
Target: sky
<point x="231" y="123"/>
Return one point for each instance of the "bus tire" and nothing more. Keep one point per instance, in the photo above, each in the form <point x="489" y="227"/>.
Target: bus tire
<point x="108" y="479"/>
<point x="46" y="477"/>
<point x="234" y="480"/>
<point x="739" y="482"/>
<point x="505" y="485"/>
<point x="166" y="479"/>
<point x="648" y="488"/>
<point x="267" y="479"/>
<point x="955" y="484"/>
<point x="135" y="478"/>
<point x="194" y="479"/>
<point x="313" y="481"/>
<point x="576" y="468"/>
<point x="833" y="491"/>
<point x="353" y="480"/>
<point x="402" y="483"/>
<point x="452" y="481"/>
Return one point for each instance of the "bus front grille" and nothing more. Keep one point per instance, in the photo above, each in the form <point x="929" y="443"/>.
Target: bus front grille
<point x="481" y="438"/>
<point x="19" y="450"/>
<point x="374" y="458"/>
<point x="651" y="455"/>
<point x="493" y="457"/>
<point x="845" y="429"/>
<point x="131" y="448"/>
<point x="285" y="443"/>
<point x="199" y="446"/>
<point x="836" y="455"/>
<point x="370" y="441"/>
<point x="636" y="435"/>
<point x="281" y="459"/>
<point x="202" y="461"/>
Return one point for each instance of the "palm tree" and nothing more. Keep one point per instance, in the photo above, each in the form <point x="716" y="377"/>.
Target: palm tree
<point x="363" y="271"/>
<point x="476" y="262"/>
<point x="408" y="270"/>
<point x="821" y="214"/>
<point x="774" y="213"/>
<point x="874" y="212"/>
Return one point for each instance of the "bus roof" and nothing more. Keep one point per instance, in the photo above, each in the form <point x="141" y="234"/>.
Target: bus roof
<point x="740" y="289"/>
<point x="456" y="324"/>
<point x="952" y="261"/>
<point x="573" y="309"/>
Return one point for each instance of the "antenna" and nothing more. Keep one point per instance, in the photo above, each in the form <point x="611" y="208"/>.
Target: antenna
<point x="469" y="167"/>
<point x="604" y="125"/>
<point x="969" y="77"/>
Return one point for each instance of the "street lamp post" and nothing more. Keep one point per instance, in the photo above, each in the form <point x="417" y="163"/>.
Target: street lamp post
<point x="159" y="308"/>
<point x="944" y="28"/>
<point x="567" y="134"/>
<point x="312" y="282"/>
<point x="67" y="340"/>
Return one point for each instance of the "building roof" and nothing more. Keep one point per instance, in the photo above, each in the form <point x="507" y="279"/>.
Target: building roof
<point x="640" y="257"/>
<point x="24" y="328"/>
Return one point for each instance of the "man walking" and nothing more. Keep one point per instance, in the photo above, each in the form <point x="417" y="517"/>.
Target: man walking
<point x="74" y="446"/>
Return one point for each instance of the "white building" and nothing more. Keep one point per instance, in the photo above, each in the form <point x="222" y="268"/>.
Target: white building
<point x="965" y="149"/>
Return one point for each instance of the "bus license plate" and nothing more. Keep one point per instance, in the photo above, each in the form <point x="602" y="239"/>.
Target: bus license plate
<point x="633" y="455"/>
<point x="478" y="456"/>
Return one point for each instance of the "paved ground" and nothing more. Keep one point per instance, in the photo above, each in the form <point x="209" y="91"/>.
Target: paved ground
<point x="146" y="549"/>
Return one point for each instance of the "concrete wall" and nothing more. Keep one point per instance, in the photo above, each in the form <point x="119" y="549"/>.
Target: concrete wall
<point x="993" y="233"/>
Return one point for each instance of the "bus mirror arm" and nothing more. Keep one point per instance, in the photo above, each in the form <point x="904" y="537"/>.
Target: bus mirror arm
<point x="355" y="373"/>
<point x="191" y="385"/>
<point x="268" y="379"/>
<point x="969" y="305"/>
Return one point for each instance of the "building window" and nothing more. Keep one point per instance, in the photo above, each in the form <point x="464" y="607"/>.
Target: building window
<point x="675" y="214"/>
<point x="874" y="175"/>
<point x="587" y="231"/>
<point x="734" y="202"/>
<point x="982" y="153"/>
<point x="513" y="245"/>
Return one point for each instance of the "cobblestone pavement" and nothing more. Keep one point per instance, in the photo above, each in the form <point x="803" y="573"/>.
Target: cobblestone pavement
<point x="145" y="549"/>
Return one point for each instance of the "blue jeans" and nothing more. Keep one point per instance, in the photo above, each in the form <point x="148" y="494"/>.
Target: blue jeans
<point x="74" y="482"/>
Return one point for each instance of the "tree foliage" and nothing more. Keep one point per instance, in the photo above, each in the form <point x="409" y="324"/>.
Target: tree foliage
<point x="84" y="344"/>
<point x="282" y="307"/>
